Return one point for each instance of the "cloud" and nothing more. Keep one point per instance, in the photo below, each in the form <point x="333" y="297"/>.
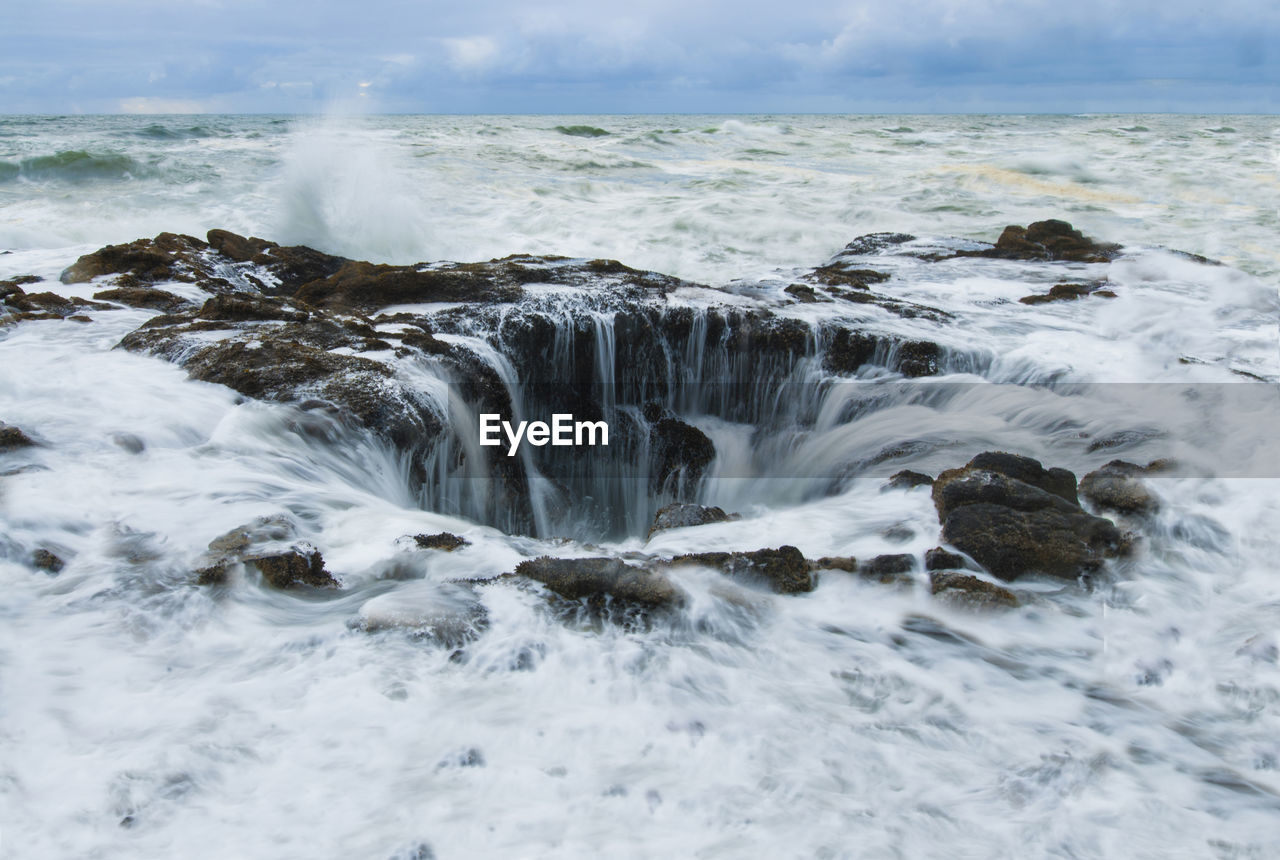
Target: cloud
<point x="144" y="104"/>
<point x="649" y="55"/>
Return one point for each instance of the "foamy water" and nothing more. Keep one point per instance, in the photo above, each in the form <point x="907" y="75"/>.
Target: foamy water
<point x="142" y="716"/>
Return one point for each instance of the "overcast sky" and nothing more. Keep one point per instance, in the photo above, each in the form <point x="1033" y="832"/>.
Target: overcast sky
<point x="642" y="56"/>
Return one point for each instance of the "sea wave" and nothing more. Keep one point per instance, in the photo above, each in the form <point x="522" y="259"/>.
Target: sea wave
<point x="74" y="166"/>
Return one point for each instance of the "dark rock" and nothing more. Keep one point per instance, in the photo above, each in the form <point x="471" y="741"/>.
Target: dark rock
<point x="678" y="451"/>
<point x="1048" y="240"/>
<point x="888" y="568"/>
<point x="43" y="559"/>
<point x="941" y="559"/>
<point x="783" y="569"/>
<point x="248" y="308"/>
<point x="261" y="530"/>
<point x="1062" y="292"/>
<point x="968" y="592"/>
<point x="847" y="563"/>
<point x="444" y="541"/>
<point x="167" y="257"/>
<point x="678" y="515"/>
<point x="426" y="343"/>
<point x="292" y="266"/>
<point x="1116" y="486"/>
<point x="11" y="438"/>
<point x="213" y="574"/>
<point x="918" y="358"/>
<point x="603" y="580"/>
<point x="802" y="293"/>
<point x="1012" y="527"/>
<point x="1060" y="482"/>
<point x="875" y="242"/>
<point x="907" y="480"/>
<point x="365" y="287"/>
<point x="144" y="297"/>
<point x="299" y="566"/>
<point x="838" y="275"/>
<point x="238" y="248"/>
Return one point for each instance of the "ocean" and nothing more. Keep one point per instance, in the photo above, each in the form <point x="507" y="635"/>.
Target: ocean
<point x="433" y="705"/>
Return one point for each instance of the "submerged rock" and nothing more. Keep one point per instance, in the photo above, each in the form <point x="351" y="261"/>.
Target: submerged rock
<point x="603" y="580"/>
<point x="263" y="545"/>
<point x="1014" y="517"/>
<point x="298" y="566"/>
<point x="907" y="480"/>
<point x="1117" y="487"/>
<point x="43" y="559"/>
<point x="446" y="541"/>
<point x="888" y="569"/>
<point x="968" y="592"/>
<point x="678" y="515"/>
<point x="12" y="438"/>
<point x="447" y="614"/>
<point x="1066" y="292"/>
<point x="941" y="559"/>
<point x="783" y="569"/>
<point x="847" y="563"/>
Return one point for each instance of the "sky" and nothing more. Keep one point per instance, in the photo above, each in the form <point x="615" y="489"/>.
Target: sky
<point x="642" y="56"/>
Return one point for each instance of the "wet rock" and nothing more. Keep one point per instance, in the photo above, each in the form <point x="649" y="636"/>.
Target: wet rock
<point x="601" y="581"/>
<point x="365" y="287"/>
<point x="288" y="267"/>
<point x="1060" y="482"/>
<point x="443" y="541"/>
<point x="961" y="590"/>
<point x="144" y="297"/>
<point x="847" y="563"/>
<point x="261" y="530"/>
<point x="941" y="559"/>
<point x="1117" y="487"/>
<point x="43" y="559"/>
<point x="1012" y="527"/>
<point x="873" y="243"/>
<point x="297" y="567"/>
<point x="783" y="569"/>
<point x="1048" y="240"/>
<point x="12" y="438"/>
<point x="907" y="480"/>
<point x="916" y="358"/>
<point x="802" y="293"/>
<point x="1063" y="292"/>
<point x="839" y="275"/>
<point x="217" y="573"/>
<point x="238" y="248"/>
<point x="167" y="257"/>
<point x="888" y="568"/>
<point x="679" y="452"/>
<point x="17" y="305"/>
<point x="248" y="308"/>
<point x="681" y="515"/>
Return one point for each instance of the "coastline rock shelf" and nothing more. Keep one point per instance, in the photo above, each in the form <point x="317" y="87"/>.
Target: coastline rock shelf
<point x="414" y="354"/>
